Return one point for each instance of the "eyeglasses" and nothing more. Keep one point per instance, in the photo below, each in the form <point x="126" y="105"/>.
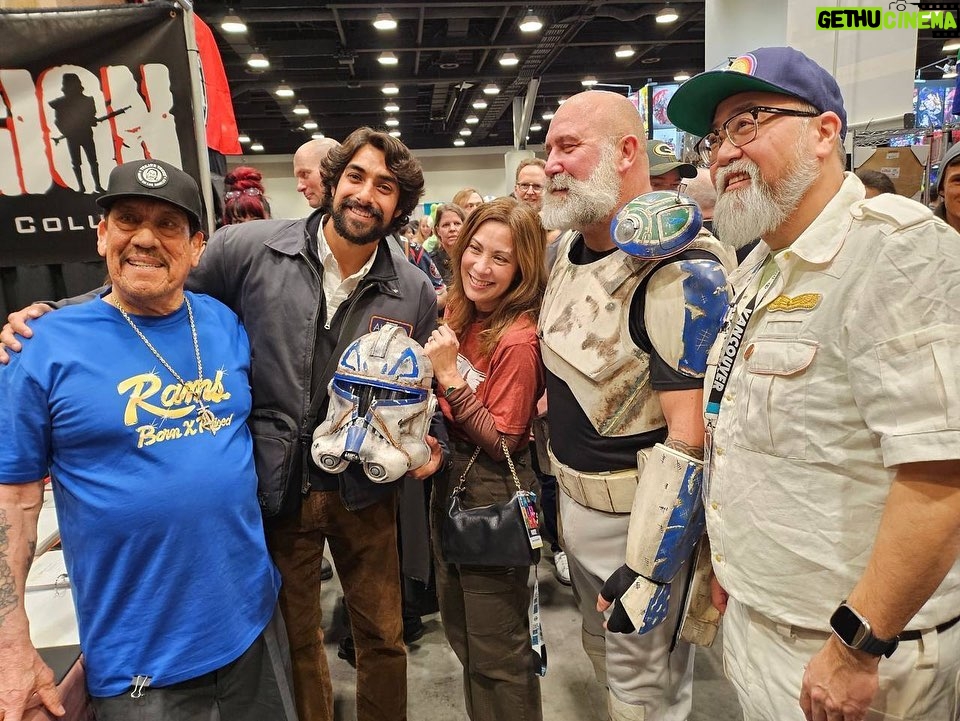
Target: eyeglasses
<point x="740" y="130"/>
<point x="530" y="187"/>
<point x="231" y="194"/>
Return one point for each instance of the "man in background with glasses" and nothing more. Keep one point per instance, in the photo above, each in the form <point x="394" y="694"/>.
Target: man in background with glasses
<point x="530" y="181"/>
<point x="833" y="437"/>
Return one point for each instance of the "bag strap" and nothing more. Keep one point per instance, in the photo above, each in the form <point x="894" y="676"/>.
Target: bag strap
<point x="506" y="454"/>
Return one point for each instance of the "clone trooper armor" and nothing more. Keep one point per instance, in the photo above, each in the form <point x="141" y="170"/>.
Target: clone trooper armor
<point x="380" y="407"/>
<point x="656" y="225"/>
<point x="586" y="342"/>
<point x="585" y="337"/>
<point x="665" y="524"/>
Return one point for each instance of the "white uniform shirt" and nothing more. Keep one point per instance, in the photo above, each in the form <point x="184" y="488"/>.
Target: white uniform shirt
<point x="849" y="366"/>
<point x="335" y="288"/>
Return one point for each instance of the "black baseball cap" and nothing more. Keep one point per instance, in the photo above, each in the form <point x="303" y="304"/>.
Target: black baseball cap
<point x="157" y="180"/>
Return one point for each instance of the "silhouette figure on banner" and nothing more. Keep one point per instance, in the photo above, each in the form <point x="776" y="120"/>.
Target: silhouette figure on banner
<point x="75" y="114"/>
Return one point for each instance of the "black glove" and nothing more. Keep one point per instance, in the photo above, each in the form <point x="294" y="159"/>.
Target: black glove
<point x="613" y="589"/>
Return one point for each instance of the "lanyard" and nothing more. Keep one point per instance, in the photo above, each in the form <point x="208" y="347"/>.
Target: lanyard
<point x="731" y="350"/>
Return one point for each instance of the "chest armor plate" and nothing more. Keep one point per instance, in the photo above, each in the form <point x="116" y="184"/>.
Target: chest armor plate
<point x="585" y="341"/>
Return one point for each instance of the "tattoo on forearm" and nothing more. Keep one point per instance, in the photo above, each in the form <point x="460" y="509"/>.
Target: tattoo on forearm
<point x="8" y="584"/>
<point x="685" y="448"/>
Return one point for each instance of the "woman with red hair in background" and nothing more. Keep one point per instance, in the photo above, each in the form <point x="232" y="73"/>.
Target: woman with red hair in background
<point x="244" y="198"/>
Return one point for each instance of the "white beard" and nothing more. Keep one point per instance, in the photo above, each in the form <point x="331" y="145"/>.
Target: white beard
<point x="746" y="214"/>
<point x="587" y="202"/>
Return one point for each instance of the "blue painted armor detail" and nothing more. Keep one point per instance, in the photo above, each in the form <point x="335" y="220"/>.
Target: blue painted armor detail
<point x="656" y="225"/>
<point x="684" y="528"/>
<point x="705" y="300"/>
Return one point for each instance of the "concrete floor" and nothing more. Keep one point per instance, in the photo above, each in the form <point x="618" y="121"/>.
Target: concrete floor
<point x="569" y="689"/>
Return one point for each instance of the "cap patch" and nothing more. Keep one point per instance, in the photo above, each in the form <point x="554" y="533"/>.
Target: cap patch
<point x="746" y="64"/>
<point x="664" y="150"/>
<point x="152" y="175"/>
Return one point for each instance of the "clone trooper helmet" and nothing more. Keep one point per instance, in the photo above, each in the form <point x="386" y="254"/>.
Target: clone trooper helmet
<point x="656" y="225"/>
<point x="381" y="404"/>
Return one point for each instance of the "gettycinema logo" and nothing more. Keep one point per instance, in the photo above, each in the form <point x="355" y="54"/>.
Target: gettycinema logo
<point x="939" y="18"/>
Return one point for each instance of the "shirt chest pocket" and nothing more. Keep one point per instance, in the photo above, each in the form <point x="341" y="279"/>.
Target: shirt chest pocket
<point x="772" y="396"/>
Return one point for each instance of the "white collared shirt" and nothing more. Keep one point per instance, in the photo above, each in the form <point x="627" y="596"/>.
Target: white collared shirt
<point x="335" y="288"/>
<point x="848" y="368"/>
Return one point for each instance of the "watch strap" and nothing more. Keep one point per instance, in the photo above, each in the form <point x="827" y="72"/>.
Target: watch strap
<point x="878" y="646"/>
<point x="867" y="641"/>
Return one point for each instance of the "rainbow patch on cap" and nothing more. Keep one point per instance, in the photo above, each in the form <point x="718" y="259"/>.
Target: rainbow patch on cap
<point x="745" y="64"/>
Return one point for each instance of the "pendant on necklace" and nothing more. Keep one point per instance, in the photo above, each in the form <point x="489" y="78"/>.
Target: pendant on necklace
<point x="207" y="420"/>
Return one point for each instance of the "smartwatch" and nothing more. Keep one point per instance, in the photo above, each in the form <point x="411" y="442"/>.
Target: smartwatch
<point x="854" y="631"/>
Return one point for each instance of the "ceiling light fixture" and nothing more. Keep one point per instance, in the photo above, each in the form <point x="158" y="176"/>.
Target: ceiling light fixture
<point x="480" y="104"/>
<point x="285" y="91"/>
<point x="387" y="58"/>
<point x="589" y="81"/>
<point x="459" y="142"/>
<point x="491" y="89"/>
<point x="310" y="125"/>
<point x="682" y="76"/>
<point x="536" y="126"/>
<point x="384" y="21"/>
<point x="318" y="136"/>
<point x="547" y="115"/>
<point x="258" y="61"/>
<point x="390" y="89"/>
<point x="561" y="100"/>
<point x="625" y="51"/>
<point x="392" y="107"/>
<point x="394" y="133"/>
<point x="244" y="138"/>
<point x="530" y="24"/>
<point x="391" y="122"/>
<point x="233" y="24"/>
<point x="257" y="147"/>
<point x="471" y="120"/>
<point x="301" y="109"/>
<point x="951" y="46"/>
<point x="509" y="59"/>
<point x="667" y="15"/>
<point x="466" y="132"/>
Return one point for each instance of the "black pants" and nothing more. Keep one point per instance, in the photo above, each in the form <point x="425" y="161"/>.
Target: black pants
<point x="256" y="687"/>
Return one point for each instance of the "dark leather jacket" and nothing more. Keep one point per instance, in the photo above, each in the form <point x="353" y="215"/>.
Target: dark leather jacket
<point x="267" y="271"/>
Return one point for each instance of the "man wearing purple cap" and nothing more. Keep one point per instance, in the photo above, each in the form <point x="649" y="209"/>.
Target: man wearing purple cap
<point x="833" y="430"/>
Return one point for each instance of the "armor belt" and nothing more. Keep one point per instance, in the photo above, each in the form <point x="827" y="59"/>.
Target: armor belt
<point x="610" y="491"/>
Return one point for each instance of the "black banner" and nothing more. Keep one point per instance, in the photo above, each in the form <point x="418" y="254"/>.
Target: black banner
<point x="82" y="91"/>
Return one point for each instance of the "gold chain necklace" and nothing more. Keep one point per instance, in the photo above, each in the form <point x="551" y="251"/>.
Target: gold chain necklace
<point x="205" y="416"/>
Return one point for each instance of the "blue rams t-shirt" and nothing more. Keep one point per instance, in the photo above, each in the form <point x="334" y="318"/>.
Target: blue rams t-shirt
<point x="161" y="528"/>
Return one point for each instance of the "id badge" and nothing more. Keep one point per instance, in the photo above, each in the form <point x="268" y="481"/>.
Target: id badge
<point x="529" y="513"/>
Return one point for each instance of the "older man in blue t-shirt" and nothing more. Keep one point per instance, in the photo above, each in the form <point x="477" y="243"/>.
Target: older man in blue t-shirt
<point x="136" y="406"/>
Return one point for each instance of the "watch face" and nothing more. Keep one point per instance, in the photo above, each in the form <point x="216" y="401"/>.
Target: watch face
<point x="848" y="626"/>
